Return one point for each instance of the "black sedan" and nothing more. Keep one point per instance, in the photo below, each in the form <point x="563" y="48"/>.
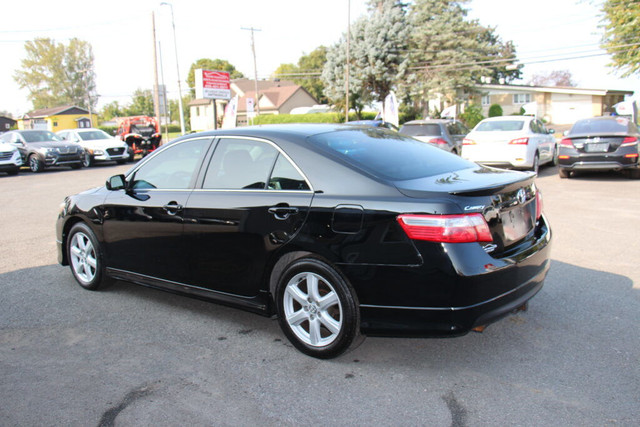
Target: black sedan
<point x="340" y="231"/>
<point x="41" y="149"/>
<point x="600" y="143"/>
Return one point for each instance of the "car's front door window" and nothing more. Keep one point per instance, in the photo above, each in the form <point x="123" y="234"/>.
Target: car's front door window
<point x="173" y="168"/>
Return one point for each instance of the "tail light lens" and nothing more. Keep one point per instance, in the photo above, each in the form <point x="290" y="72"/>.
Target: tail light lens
<point x="519" y="141"/>
<point x="438" y="141"/>
<point x="539" y="204"/>
<point x="566" y="142"/>
<point x="468" y="141"/>
<point x="446" y="228"/>
<point x="629" y="141"/>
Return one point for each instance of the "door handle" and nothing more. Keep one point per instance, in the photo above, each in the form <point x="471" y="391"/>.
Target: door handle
<point x="283" y="212"/>
<point x="172" y="208"/>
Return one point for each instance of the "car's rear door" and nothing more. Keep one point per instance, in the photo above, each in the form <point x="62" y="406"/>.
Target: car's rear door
<point x="252" y="201"/>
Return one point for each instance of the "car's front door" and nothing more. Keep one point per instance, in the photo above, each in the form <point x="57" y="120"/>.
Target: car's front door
<point x="144" y="224"/>
<point x="253" y="200"/>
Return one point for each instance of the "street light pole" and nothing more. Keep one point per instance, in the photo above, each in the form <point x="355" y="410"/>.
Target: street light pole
<point x="175" y="44"/>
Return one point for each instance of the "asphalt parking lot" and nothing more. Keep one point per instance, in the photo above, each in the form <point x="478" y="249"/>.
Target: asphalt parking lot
<point x="136" y="356"/>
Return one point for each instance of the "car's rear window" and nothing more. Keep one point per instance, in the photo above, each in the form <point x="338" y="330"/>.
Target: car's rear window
<point x="91" y="135"/>
<point x="430" y="129"/>
<point x="613" y="125"/>
<point x="388" y="155"/>
<point x="500" y="126"/>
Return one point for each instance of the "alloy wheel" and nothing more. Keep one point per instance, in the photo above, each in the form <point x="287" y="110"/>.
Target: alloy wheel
<point x="312" y="309"/>
<point x="83" y="257"/>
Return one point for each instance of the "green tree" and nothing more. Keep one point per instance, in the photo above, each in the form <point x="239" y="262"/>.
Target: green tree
<point x="378" y="60"/>
<point x="174" y="111"/>
<point x="211" y="64"/>
<point x="450" y="54"/>
<point x="58" y="74"/>
<point x="111" y="110"/>
<point x="141" y="104"/>
<point x="620" y="39"/>
<point x="306" y="73"/>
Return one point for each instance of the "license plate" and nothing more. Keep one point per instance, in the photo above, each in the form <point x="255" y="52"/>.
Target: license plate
<point x="596" y="148"/>
<point x="516" y="223"/>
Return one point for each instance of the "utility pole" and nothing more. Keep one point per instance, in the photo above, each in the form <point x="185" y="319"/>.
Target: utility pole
<point x="175" y="45"/>
<point x="165" y="110"/>
<point x="346" y="107"/>
<point x="156" y="95"/>
<point x="255" y="67"/>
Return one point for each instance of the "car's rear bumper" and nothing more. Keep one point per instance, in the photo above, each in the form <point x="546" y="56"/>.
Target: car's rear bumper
<point x="478" y="298"/>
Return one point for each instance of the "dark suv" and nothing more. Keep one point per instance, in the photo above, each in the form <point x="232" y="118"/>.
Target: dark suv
<point x="41" y="148"/>
<point x="442" y="133"/>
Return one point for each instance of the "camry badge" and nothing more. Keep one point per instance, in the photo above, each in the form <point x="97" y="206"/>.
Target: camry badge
<point x="521" y="196"/>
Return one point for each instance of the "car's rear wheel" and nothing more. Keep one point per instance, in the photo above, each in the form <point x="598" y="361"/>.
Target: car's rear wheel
<point x="35" y="164"/>
<point x="85" y="258"/>
<point x="317" y="309"/>
<point x="632" y="173"/>
<point x="563" y="173"/>
<point x="535" y="167"/>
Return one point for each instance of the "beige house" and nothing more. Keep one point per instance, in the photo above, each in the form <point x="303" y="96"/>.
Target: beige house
<point x="276" y="97"/>
<point x="556" y="105"/>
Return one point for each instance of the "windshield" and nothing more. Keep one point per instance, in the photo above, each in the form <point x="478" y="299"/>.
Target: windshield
<point x="613" y="125"/>
<point x="39" y="136"/>
<point x="388" y="155"/>
<point x="89" y="135"/>
<point x="500" y="126"/>
<point x="430" y="129"/>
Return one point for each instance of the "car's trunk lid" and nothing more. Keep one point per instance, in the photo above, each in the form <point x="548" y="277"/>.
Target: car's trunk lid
<point x="507" y="200"/>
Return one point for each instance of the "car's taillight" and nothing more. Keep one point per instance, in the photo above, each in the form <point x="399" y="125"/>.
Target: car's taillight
<point x="538" y="204"/>
<point x="629" y="141"/>
<point x="438" y="141"/>
<point x="566" y="142"/>
<point x="519" y="141"/>
<point x="468" y="141"/>
<point x="446" y="228"/>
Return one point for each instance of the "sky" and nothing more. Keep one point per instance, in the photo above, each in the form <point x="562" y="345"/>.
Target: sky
<point x="120" y="33"/>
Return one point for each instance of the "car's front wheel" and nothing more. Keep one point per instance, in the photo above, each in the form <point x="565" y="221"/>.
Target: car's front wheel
<point x="87" y="160"/>
<point x="35" y="164"/>
<point x="85" y="258"/>
<point x="317" y="309"/>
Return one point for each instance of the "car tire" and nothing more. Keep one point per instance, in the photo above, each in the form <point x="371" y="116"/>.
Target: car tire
<point x="563" y="173"/>
<point x="86" y="258"/>
<point x="87" y="160"/>
<point x="317" y="309"/>
<point x="632" y="173"/>
<point x="35" y="164"/>
<point x="535" y="167"/>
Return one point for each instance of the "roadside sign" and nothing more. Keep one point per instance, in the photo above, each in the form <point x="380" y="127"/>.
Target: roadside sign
<point x="212" y="84"/>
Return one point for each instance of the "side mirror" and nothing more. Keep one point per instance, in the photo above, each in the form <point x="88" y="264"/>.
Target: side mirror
<point x="116" y="182"/>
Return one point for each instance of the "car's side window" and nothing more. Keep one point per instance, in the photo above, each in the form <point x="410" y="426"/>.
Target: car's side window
<point x="172" y="168"/>
<point x="286" y="177"/>
<point x="542" y="127"/>
<point x="240" y="164"/>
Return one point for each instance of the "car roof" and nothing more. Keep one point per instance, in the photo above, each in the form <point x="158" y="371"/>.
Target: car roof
<point x="428" y="121"/>
<point x="510" y="118"/>
<point x="301" y="130"/>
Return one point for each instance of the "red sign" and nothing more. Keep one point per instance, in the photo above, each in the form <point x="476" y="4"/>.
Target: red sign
<point x="212" y="84"/>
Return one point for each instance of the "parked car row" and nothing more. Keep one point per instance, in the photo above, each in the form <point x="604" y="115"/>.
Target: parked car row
<point x="40" y="149"/>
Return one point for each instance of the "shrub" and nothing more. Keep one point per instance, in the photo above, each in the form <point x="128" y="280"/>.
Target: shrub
<point x="495" y="110"/>
<point x="472" y="115"/>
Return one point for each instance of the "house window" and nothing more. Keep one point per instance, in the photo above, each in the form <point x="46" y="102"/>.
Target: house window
<point x="486" y="100"/>
<point x="521" y="98"/>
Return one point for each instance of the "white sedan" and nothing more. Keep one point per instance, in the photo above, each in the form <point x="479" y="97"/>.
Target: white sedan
<point x="521" y="142"/>
<point x="98" y="145"/>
